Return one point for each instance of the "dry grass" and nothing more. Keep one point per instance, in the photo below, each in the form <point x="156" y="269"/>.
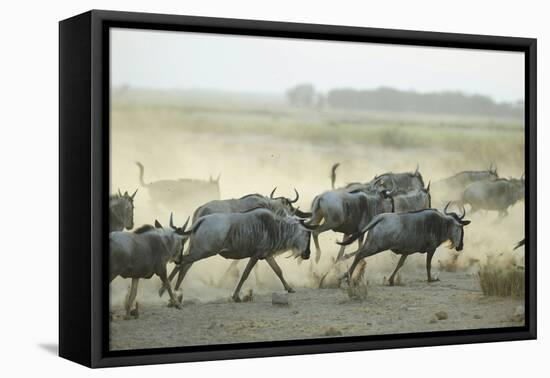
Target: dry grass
<point x="357" y="287"/>
<point x="502" y="280"/>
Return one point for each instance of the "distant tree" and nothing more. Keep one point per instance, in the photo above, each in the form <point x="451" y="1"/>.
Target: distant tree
<point x="301" y="95"/>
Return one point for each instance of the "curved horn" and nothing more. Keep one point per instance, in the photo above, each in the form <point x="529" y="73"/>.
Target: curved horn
<point x="417" y="167"/>
<point x="133" y="195"/>
<point x="428" y="187"/>
<point x="463" y="213"/>
<point x="119" y="192"/>
<point x="185" y="224"/>
<point x="446" y="207"/>
<point x="272" y="192"/>
<point x="172" y="222"/>
<point x="295" y="199"/>
<point x="218" y="178"/>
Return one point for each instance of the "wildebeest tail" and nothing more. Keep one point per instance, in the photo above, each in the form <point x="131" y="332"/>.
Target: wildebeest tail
<point x="356" y="235"/>
<point x="141" y="172"/>
<point x="333" y="174"/>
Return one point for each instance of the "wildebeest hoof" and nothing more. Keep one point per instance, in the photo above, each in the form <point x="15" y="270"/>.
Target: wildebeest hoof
<point x="391" y="283"/>
<point x="161" y="291"/>
<point x="433" y="280"/>
<point x="291" y="290"/>
<point x="236" y="298"/>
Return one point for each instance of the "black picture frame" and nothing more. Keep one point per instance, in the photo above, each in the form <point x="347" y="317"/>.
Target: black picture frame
<point x="84" y="183"/>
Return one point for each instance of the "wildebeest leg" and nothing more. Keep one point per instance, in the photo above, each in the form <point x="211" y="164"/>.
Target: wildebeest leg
<point x="342" y="248"/>
<point x="317" y="247"/>
<point x="399" y="265"/>
<point x="249" y="266"/>
<point x="429" y="266"/>
<point x="166" y="284"/>
<point x="131" y="297"/>
<point x="349" y="274"/>
<point x="277" y="269"/>
<point x="360" y="241"/>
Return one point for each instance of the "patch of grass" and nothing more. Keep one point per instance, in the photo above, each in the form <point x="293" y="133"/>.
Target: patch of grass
<point x="357" y="287"/>
<point x="507" y="281"/>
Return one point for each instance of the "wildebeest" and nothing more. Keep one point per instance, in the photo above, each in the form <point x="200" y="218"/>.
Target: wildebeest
<point x="257" y="234"/>
<point x="497" y="195"/>
<point x="181" y="193"/>
<point x="346" y="212"/>
<point x="279" y="205"/>
<point x="143" y="253"/>
<point x="452" y="188"/>
<point x="400" y="181"/>
<point x="121" y="211"/>
<point x="413" y="200"/>
<point x="407" y="233"/>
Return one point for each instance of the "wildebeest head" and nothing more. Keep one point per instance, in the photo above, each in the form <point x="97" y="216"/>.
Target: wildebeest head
<point x="123" y="207"/>
<point x="301" y="240"/>
<point x="173" y="238"/>
<point x="456" y="227"/>
<point x="286" y="205"/>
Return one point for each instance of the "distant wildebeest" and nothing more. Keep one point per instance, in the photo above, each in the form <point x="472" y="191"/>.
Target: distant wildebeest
<point x="497" y="195"/>
<point x="279" y="205"/>
<point x="257" y="234"/>
<point x="452" y="188"/>
<point x="520" y="244"/>
<point x="180" y="193"/>
<point x="413" y="200"/>
<point x="400" y="181"/>
<point x="346" y="212"/>
<point x="121" y="211"/>
<point x="407" y="233"/>
<point x="143" y="253"/>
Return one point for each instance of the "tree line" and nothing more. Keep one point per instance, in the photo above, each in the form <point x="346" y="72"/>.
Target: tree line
<point x="394" y="100"/>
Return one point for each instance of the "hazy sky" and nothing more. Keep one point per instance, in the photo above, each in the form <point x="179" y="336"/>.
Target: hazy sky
<point x="178" y="60"/>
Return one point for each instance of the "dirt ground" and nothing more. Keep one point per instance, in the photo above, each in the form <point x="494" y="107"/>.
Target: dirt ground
<point x="317" y="313"/>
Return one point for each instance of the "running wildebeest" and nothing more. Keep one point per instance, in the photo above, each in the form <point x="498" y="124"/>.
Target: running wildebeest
<point x="452" y="188"/>
<point x="413" y="200"/>
<point x="279" y="205"/>
<point x="143" y="253"/>
<point x="346" y="212"/>
<point x="497" y="195"/>
<point x="257" y="234"/>
<point x="121" y="211"/>
<point x="407" y="233"/>
<point x="181" y="193"/>
<point x="401" y="181"/>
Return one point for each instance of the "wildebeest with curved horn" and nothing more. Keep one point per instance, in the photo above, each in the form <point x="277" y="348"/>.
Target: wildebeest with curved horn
<point x="143" y="253"/>
<point x="183" y="193"/>
<point x="346" y="212"/>
<point x="121" y="211"/>
<point x="257" y="234"/>
<point x="407" y="233"/>
<point x="417" y="199"/>
<point x="452" y="188"/>
<point x="497" y="195"/>
<point x="405" y="181"/>
<point x="282" y="206"/>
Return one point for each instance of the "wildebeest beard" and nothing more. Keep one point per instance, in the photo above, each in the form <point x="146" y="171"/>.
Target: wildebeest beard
<point x="266" y="233"/>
